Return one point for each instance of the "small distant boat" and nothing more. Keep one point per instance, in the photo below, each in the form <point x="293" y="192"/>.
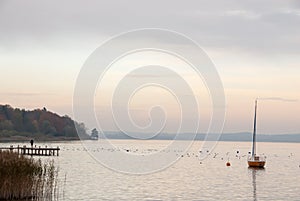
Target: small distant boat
<point x="94" y="137"/>
<point x="255" y="160"/>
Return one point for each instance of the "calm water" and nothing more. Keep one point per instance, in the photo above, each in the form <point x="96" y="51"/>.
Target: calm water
<point x="188" y="179"/>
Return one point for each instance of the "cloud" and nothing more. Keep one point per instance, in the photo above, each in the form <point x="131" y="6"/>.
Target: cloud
<point x="146" y="75"/>
<point x="279" y="99"/>
<point x="256" y="26"/>
<point x="25" y="94"/>
<point x="243" y="13"/>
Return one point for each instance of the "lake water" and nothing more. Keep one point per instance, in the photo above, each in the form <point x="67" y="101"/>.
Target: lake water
<point x="187" y="179"/>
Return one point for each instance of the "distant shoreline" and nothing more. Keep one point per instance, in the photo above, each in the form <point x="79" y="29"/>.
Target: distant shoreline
<point x="76" y="140"/>
<point x="230" y="137"/>
<point x="39" y="139"/>
<point x="226" y="137"/>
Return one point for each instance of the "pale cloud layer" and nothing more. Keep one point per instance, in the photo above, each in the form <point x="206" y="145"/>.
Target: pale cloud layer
<point x="263" y="26"/>
<point x="255" y="45"/>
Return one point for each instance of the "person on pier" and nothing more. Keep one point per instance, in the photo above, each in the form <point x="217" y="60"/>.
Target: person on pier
<point x="31" y="142"/>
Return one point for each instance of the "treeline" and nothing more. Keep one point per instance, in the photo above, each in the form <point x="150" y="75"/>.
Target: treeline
<point x="15" y="121"/>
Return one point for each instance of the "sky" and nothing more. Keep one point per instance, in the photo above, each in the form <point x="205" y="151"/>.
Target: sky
<point x="255" y="46"/>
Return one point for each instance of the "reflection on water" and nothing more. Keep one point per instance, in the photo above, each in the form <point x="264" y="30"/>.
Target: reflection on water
<point x="187" y="179"/>
<point x="255" y="172"/>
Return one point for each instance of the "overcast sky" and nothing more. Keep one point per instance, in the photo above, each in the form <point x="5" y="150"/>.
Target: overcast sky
<point x="254" y="44"/>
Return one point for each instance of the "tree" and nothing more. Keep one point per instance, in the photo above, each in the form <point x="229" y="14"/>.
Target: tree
<point x="95" y="133"/>
<point x="17" y="120"/>
<point x="47" y="128"/>
<point x="70" y="131"/>
<point x="28" y="124"/>
<point x="40" y="121"/>
<point x="6" y="125"/>
<point x="35" y="124"/>
<point x="81" y="129"/>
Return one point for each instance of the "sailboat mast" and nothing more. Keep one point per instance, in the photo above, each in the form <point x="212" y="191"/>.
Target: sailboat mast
<point x="254" y="132"/>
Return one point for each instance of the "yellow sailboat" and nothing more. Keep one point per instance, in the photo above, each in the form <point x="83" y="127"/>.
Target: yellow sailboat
<point x="255" y="160"/>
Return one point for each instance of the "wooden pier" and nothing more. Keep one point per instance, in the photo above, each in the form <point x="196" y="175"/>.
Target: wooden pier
<point x="33" y="151"/>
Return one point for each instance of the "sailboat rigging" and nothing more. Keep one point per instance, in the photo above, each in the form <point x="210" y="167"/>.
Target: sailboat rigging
<point x="255" y="160"/>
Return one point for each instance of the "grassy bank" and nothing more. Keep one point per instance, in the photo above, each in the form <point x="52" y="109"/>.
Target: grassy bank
<point x="23" y="178"/>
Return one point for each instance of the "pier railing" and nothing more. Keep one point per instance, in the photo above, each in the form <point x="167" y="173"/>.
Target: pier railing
<point x="33" y="151"/>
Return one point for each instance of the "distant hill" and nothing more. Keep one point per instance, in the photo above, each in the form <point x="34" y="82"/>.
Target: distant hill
<point x="41" y="124"/>
<point x="20" y="124"/>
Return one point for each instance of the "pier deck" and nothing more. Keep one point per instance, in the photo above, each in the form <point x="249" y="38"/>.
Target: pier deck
<point x="33" y="151"/>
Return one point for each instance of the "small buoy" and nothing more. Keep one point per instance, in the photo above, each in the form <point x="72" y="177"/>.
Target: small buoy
<point x="228" y="164"/>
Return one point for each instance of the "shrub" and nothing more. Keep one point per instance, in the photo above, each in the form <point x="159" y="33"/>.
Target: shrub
<point x="23" y="178"/>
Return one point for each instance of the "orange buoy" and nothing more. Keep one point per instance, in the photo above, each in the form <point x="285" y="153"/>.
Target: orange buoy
<point x="228" y="164"/>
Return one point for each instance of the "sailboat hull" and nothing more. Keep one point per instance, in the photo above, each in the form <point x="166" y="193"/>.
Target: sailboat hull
<point x="259" y="164"/>
<point x="256" y="161"/>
